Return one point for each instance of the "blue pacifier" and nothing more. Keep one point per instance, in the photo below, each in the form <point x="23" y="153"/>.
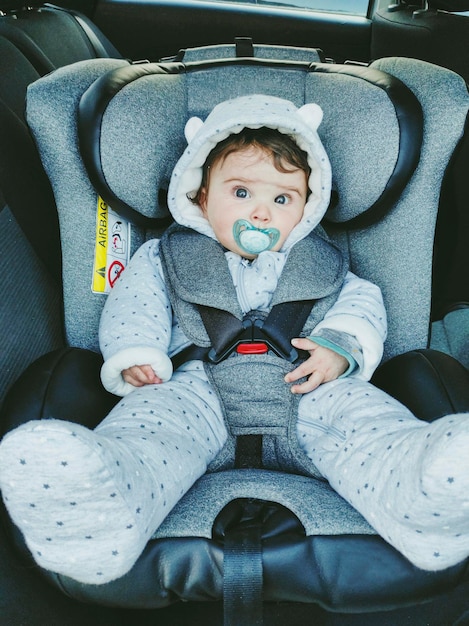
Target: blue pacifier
<point x="254" y="240"/>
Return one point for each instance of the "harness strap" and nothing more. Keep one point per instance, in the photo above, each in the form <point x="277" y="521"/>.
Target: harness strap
<point x="243" y="574"/>
<point x="248" y="453"/>
<point x="285" y="321"/>
<point x="191" y="353"/>
<point x="222" y="327"/>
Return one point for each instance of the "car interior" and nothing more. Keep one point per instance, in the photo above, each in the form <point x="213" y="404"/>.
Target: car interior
<point x="83" y="87"/>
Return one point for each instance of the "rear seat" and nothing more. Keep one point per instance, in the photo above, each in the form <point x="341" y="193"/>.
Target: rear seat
<point x="29" y="237"/>
<point x="75" y="37"/>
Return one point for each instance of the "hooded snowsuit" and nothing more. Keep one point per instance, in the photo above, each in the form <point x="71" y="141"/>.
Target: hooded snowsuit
<point x="126" y="475"/>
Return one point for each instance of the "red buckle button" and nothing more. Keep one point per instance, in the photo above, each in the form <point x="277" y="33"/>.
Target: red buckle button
<point x="252" y="348"/>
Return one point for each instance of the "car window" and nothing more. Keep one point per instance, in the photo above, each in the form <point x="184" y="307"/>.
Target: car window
<point x="353" y="7"/>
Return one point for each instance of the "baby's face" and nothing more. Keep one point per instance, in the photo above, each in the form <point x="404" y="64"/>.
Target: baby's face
<point x="247" y="186"/>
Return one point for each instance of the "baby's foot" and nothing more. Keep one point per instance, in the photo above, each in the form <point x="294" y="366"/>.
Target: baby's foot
<point x="431" y="495"/>
<point x="64" y="490"/>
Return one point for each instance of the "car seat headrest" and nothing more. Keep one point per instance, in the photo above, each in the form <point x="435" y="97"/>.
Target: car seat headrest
<point x="131" y="128"/>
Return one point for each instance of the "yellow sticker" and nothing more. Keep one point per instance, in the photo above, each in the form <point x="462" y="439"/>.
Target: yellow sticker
<point x="112" y="247"/>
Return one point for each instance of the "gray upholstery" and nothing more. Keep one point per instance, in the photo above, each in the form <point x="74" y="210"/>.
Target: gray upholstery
<point x="75" y="198"/>
<point x="397" y="253"/>
<point x="146" y="119"/>
<point x="194" y="514"/>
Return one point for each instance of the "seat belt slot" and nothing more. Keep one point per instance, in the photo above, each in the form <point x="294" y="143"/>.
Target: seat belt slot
<point x="244" y="47"/>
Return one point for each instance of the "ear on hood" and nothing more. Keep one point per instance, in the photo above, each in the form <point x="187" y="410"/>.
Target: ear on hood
<point x="192" y="128"/>
<point x="312" y="114"/>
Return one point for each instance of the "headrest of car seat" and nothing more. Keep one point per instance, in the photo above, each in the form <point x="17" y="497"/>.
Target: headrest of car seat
<point x="131" y="124"/>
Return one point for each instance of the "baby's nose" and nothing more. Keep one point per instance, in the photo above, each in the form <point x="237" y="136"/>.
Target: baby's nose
<point x="261" y="212"/>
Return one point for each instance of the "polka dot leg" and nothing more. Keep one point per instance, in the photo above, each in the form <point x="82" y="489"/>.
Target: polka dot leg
<point x="86" y="501"/>
<point x="408" y="478"/>
<point x="64" y="495"/>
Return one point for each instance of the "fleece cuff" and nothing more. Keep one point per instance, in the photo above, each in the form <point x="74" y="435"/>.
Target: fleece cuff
<point x="342" y="343"/>
<point x="111" y="371"/>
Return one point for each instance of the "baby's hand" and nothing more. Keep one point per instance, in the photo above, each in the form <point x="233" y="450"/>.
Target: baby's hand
<point x="322" y="366"/>
<point x="140" y="375"/>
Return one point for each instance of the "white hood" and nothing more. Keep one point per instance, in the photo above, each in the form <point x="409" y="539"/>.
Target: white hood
<point x="232" y="116"/>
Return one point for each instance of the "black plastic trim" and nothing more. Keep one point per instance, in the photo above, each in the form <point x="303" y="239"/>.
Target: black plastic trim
<point x="449" y="5"/>
<point x="430" y="383"/>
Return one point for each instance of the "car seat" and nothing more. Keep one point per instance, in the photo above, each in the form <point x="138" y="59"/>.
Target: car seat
<point x="109" y="149"/>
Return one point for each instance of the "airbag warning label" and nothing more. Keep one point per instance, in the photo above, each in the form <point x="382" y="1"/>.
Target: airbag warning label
<point x="112" y="248"/>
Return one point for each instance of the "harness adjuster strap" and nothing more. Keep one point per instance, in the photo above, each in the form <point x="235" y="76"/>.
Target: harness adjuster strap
<point x="243" y="576"/>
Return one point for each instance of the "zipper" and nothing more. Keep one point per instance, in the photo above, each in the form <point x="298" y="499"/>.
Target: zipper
<point x="333" y="431"/>
<point x="241" y="289"/>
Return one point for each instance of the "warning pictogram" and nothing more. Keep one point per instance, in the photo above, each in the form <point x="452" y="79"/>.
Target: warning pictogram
<point x="112" y="248"/>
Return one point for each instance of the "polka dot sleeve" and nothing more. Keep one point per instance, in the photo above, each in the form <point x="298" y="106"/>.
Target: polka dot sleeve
<point x="137" y="312"/>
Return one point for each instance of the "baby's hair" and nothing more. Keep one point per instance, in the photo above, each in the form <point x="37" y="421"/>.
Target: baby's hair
<point x="285" y="152"/>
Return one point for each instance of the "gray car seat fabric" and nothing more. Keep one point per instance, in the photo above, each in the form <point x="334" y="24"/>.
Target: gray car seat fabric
<point x="81" y="222"/>
<point x="451" y="334"/>
<point x="195" y="513"/>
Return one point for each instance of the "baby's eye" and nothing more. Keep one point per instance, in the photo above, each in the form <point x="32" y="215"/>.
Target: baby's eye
<point x="241" y="192"/>
<point x="282" y="199"/>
